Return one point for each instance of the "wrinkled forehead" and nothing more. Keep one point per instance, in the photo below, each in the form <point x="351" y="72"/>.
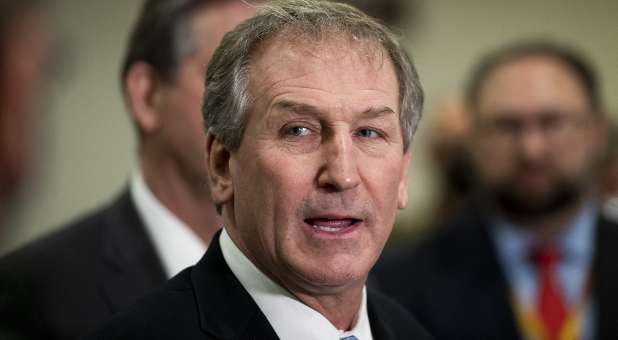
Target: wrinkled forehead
<point x="293" y="50"/>
<point x="309" y="44"/>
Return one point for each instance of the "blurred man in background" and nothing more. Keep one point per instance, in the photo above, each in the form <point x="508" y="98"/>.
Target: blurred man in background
<point x="531" y="257"/>
<point x="25" y="43"/>
<point x="73" y="280"/>
<point x="24" y="48"/>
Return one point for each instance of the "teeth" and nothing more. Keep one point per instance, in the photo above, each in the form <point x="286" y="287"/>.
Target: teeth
<point x="326" y="229"/>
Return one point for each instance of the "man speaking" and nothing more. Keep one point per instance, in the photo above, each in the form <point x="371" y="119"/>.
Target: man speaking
<point x="310" y="109"/>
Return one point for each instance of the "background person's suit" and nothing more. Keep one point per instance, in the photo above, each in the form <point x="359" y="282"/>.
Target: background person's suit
<point x="72" y="281"/>
<point x="206" y="301"/>
<point x="453" y="283"/>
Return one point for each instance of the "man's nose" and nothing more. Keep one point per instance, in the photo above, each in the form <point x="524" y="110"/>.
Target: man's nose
<point x="533" y="143"/>
<point x="339" y="171"/>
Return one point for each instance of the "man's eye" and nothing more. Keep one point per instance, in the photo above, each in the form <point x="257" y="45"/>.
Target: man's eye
<point x="367" y="133"/>
<point x="298" y="131"/>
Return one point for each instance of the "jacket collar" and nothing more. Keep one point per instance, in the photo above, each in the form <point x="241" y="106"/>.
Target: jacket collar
<point x="130" y="265"/>
<point x="486" y="275"/>
<point x="217" y="289"/>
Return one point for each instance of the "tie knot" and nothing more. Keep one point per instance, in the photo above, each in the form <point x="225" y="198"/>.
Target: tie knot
<point x="351" y="337"/>
<point x="544" y="256"/>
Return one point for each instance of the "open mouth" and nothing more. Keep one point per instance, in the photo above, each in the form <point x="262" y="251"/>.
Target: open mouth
<point x="333" y="225"/>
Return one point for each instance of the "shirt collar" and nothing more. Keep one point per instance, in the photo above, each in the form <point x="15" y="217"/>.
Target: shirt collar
<point x="175" y="242"/>
<point x="579" y="241"/>
<point x="575" y="242"/>
<point x="278" y="304"/>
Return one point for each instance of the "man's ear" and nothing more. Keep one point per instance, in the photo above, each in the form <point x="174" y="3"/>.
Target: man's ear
<point x="219" y="175"/>
<point x="141" y="85"/>
<point x="402" y="194"/>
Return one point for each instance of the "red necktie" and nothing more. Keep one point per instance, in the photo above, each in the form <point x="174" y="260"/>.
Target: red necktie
<point x="551" y="308"/>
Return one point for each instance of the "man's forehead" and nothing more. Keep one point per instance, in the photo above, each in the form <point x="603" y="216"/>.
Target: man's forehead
<point x="324" y="47"/>
<point x="531" y="68"/>
<point x="283" y="58"/>
<point x="533" y="83"/>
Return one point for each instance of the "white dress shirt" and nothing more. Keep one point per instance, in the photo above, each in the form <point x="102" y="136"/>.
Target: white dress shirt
<point x="176" y="244"/>
<point x="290" y="318"/>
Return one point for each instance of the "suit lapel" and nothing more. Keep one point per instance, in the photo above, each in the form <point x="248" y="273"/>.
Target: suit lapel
<point x="226" y="309"/>
<point x="486" y="277"/>
<point x="605" y="279"/>
<point x="380" y="328"/>
<point x="130" y="266"/>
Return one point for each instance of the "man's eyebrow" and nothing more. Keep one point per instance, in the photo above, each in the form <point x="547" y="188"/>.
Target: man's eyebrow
<point x="298" y="108"/>
<point x="307" y="109"/>
<point x="375" y="112"/>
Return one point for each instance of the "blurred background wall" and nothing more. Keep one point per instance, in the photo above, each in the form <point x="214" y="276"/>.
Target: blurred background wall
<point x="86" y="143"/>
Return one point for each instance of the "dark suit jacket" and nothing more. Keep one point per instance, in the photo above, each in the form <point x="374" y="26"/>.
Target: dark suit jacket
<point x="70" y="282"/>
<point x="207" y="301"/>
<point x="453" y="283"/>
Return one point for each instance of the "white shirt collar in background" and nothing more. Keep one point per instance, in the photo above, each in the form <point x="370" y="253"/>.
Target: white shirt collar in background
<point x="290" y="318"/>
<point x="176" y="244"/>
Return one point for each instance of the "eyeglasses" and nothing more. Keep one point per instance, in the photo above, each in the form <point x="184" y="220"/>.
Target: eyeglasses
<point x="556" y="128"/>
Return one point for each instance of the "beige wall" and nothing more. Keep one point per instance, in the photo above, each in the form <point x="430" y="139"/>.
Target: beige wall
<point x="86" y="144"/>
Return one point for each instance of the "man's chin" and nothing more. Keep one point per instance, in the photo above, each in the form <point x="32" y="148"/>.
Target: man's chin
<point x="533" y="205"/>
<point x="332" y="277"/>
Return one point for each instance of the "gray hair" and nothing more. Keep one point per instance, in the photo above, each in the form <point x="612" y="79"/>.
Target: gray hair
<point x="227" y="98"/>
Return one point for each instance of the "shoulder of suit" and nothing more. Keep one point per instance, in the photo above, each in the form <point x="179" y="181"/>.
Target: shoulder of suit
<point x="399" y="321"/>
<point x="169" y="312"/>
<point x="66" y="238"/>
<point x="442" y="244"/>
<point x="68" y="245"/>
